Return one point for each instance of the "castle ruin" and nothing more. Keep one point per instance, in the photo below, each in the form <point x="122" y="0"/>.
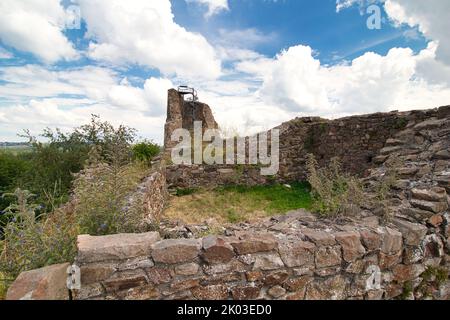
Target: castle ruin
<point x="297" y="256"/>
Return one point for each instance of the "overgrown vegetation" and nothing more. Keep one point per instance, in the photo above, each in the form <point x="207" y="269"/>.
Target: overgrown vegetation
<point x="101" y="193"/>
<point x="333" y="192"/>
<point x="32" y="242"/>
<point x="12" y="168"/>
<point x="234" y="204"/>
<point x="400" y="123"/>
<point x="80" y="182"/>
<point x="145" y="151"/>
<point x="435" y="274"/>
<point x="408" y="289"/>
<point x="383" y="187"/>
<point x="4" y="283"/>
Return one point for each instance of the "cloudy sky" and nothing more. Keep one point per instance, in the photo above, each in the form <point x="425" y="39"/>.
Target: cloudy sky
<point x="256" y="62"/>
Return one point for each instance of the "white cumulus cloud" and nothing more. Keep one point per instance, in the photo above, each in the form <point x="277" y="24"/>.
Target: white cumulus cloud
<point x="431" y="17"/>
<point x="213" y="6"/>
<point x="297" y="82"/>
<point x="144" y="32"/>
<point x="36" y="26"/>
<point x="34" y="97"/>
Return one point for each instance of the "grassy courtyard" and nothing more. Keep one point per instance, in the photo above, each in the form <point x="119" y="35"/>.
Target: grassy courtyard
<point x="237" y="203"/>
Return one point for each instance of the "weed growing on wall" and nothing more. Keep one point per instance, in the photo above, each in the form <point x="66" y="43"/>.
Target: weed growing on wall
<point x="334" y="192"/>
<point x="384" y="186"/>
<point x="101" y="192"/>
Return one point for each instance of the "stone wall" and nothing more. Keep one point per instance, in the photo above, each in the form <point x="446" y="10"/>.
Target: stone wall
<point x="211" y="176"/>
<point x="48" y="283"/>
<point x="355" y="140"/>
<point x="151" y="194"/>
<point x="399" y="249"/>
<point x="293" y="257"/>
<point x="183" y="114"/>
<point x="154" y="190"/>
<point x="400" y="252"/>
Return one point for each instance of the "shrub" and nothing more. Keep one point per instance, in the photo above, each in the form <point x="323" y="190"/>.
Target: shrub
<point x="54" y="162"/>
<point x="102" y="197"/>
<point x="103" y="201"/>
<point x="12" y="169"/>
<point x="31" y="242"/>
<point x="146" y="151"/>
<point x="333" y="192"/>
<point x="101" y="205"/>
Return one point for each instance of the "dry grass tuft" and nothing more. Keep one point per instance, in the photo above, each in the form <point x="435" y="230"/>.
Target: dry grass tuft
<point x="238" y="203"/>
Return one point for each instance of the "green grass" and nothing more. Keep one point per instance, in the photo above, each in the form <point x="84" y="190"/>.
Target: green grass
<point x="239" y="203"/>
<point x="16" y="150"/>
<point x="233" y="216"/>
<point x="185" y="192"/>
<point x="280" y="198"/>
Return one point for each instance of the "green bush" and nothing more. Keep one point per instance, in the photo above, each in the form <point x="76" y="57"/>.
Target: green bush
<point x="100" y="202"/>
<point x="12" y="169"/>
<point x="333" y="191"/>
<point x="31" y="242"/>
<point x="146" y="151"/>
<point x="102" y="195"/>
<point x="53" y="163"/>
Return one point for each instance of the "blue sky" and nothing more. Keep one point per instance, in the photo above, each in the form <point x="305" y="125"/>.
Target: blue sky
<point x="256" y="62"/>
<point x="314" y="23"/>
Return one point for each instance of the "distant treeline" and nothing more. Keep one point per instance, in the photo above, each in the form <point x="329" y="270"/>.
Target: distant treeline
<point x="14" y="144"/>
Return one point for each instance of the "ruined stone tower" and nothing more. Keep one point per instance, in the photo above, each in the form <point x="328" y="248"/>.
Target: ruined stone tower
<point x="182" y="114"/>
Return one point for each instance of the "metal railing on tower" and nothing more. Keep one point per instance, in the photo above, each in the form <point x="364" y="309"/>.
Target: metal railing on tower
<point x="188" y="91"/>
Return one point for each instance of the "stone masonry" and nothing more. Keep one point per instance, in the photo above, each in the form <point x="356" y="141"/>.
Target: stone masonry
<point x="396" y="249"/>
<point x="355" y="140"/>
<point x="401" y="251"/>
<point x="293" y="257"/>
<point x="183" y="114"/>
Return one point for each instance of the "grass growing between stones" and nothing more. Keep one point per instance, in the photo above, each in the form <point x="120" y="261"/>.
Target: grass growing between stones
<point x="238" y="203"/>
